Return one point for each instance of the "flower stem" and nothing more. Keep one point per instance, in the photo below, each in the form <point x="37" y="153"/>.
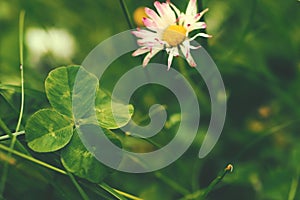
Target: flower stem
<point x="126" y="13"/>
<point x="217" y="180"/>
<point x="202" y="193"/>
<point x="202" y="99"/>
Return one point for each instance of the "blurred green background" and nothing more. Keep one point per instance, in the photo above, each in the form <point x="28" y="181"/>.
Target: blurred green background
<point x="256" y="46"/>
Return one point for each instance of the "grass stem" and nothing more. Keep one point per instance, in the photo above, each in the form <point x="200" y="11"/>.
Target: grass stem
<point x="34" y="160"/>
<point x="78" y="187"/>
<point x="5" y="137"/>
<point x="294" y="186"/>
<point x="126" y="13"/>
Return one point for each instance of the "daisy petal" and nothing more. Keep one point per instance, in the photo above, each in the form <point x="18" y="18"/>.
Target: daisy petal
<point x="185" y="48"/>
<point x="151" y="42"/>
<point x="200" y="34"/>
<point x="149" y="56"/>
<point x="143" y="33"/>
<point x="180" y="16"/>
<point x="197" y="47"/>
<point x="141" y="51"/>
<point x="191" y="8"/>
<point x="172" y="52"/>
<point x="166" y="13"/>
<point x="177" y="11"/>
<point x="191" y="61"/>
<point x="199" y="15"/>
<point x="152" y="14"/>
<point x="150" y="24"/>
<point x="204" y="11"/>
<point x="199" y="25"/>
<point x="170" y="58"/>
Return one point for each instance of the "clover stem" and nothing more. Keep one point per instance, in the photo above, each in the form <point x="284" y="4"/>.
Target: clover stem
<point x="21" y="34"/>
<point x="14" y="138"/>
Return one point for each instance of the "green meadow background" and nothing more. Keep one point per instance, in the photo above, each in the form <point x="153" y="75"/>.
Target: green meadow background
<point x="256" y="46"/>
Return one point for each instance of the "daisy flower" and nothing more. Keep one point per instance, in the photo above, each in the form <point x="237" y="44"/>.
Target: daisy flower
<point x="168" y="30"/>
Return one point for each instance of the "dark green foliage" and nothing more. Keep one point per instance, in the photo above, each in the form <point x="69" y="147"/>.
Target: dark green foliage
<point x="256" y="47"/>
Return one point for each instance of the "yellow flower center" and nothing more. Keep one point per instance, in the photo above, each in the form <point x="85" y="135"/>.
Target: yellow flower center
<point x="174" y="35"/>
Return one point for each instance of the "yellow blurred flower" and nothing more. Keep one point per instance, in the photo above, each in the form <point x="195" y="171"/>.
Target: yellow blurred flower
<point x="256" y="126"/>
<point x="264" y="111"/>
<point x="138" y="16"/>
